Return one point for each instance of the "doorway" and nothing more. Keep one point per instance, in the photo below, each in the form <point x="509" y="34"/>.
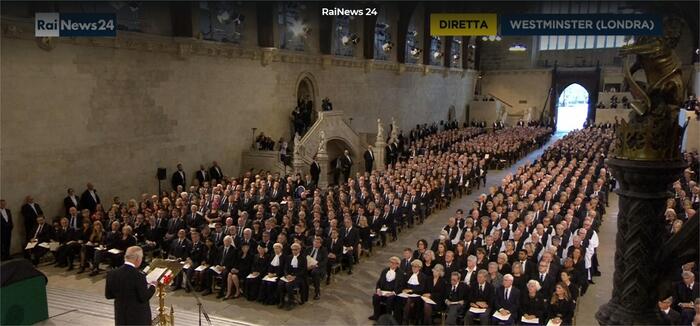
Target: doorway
<point x="335" y="149"/>
<point x="572" y="108"/>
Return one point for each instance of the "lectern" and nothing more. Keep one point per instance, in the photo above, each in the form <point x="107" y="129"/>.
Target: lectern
<point x="162" y="272"/>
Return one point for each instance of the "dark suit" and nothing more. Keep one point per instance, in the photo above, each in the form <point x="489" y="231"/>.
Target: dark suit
<point x="68" y="203"/>
<point x="346" y="165"/>
<point x="476" y="295"/>
<point x="30" y="216"/>
<point x="6" y="234"/>
<point x="318" y="272"/>
<point x="87" y="201"/>
<point x="349" y="239"/>
<point x="315" y="171"/>
<point x="127" y="286"/>
<point x="216" y="173"/>
<point x="178" y="179"/>
<point x="202" y="176"/>
<point x="511" y="304"/>
<point x="461" y="293"/>
<point x="286" y="289"/>
<point x="369" y="161"/>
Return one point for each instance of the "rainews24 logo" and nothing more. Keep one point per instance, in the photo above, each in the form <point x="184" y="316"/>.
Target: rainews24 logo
<point x="54" y="24"/>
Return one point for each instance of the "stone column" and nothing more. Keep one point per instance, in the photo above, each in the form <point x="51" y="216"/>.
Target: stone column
<point x="322" y="159"/>
<point x="379" y="149"/>
<point x="643" y="190"/>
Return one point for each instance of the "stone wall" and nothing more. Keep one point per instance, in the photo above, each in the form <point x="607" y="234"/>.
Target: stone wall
<point x="110" y="111"/>
<point x="520" y="88"/>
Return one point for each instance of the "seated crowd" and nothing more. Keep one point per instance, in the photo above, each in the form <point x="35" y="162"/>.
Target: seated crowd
<point x="265" y="236"/>
<point x="523" y="253"/>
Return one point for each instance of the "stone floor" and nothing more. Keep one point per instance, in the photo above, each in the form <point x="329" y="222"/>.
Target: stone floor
<point x="78" y="299"/>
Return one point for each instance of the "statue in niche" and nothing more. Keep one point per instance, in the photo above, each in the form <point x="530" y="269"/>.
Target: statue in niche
<point x="380" y="130"/>
<point x="321" y="143"/>
<point x="297" y="143"/>
<point x="394" y="130"/>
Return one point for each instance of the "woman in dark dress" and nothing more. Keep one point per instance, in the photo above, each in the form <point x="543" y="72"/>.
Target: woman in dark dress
<point x="573" y="287"/>
<point x="519" y="280"/>
<point x="428" y="263"/>
<point x="437" y="291"/>
<point x="251" y="286"/>
<point x="460" y="256"/>
<point x="421" y="247"/>
<point x="580" y="275"/>
<point x="240" y="271"/>
<point x="561" y="307"/>
<point x="365" y="233"/>
<point x="533" y="306"/>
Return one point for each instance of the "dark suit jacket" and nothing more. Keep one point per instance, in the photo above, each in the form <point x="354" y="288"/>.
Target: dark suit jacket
<point x="45" y="235"/>
<point x="299" y="271"/>
<point x="369" y="160"/>
<point x="30" y="217"/>
<point x="202" y="176"/>
<point x="475" y="294"/>
<point x="127" y="286"/>
<point x="229" y="260"/>
<point x="6" y="227"/>
<point x="512" y="304"/>
<point x="394" y="285"/>
<point x="321" y="257"/>
<point x="216" y="174"/>
<point x="68" y="203"/>
<point x="349" y="239"/>
<point x="180" y="250"/>
<point x="178" y="180"/>
<point x="672" y="318"/>
<point x="86" y="200"/>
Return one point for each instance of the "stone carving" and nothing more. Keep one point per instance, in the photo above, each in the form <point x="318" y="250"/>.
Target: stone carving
<point x="297" y="144"/>
<point x="380" y="131"/>
<point x="394" y="131"/>
<point x="652" y="132"/>
<point x="321" y="142"/>
<point x="46" y="43"/>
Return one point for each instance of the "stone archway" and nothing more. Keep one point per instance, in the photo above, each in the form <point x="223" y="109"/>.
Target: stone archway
<point x="306" y="88"/>
<point x="335" y="148"/>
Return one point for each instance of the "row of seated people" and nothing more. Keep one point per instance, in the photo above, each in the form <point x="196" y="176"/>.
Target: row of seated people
<point x="539" y="228"/>
<point x="347" y="218"/>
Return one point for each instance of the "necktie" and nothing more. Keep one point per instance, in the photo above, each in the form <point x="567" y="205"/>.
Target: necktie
<point x="38" y="230"/>
<point x="481" y="287"/>
<point x="313" y="253"/>
<point x="542" y="277"/>
<point x="506" y="294"/>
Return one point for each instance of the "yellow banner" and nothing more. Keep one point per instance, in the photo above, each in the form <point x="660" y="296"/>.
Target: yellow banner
<point x="463" y="24"/>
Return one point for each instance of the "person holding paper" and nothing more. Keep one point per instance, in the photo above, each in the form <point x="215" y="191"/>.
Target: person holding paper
<point x="241" y="269"/>
<point x="533" y="307"/>
<point x="180" y="249"/>
<point x="128" y="287"/>
<point x="295" y="269"/>
<point x="350" y="239"/>
<point x="434" y="297"/>
<point x="561" y="307"/>
<point x="318" y="271"/>
<point x="415" y="285"/>
<point x="94" y="240"/>
<point x="480" y="299"/>
<point x="506" y="302"/>
<point x="268" y="290"/>
<point x="251" y="284"/>
<point x="457" y="295"/>
<point x="197" y="257"/>
<point x="387" y="286"/>
<point x="41" y="233"/>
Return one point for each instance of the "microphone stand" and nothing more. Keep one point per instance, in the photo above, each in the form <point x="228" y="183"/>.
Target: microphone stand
<point x="200" y="307"/>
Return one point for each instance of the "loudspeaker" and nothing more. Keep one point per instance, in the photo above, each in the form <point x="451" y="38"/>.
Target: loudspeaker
<point x="161" y="174"/>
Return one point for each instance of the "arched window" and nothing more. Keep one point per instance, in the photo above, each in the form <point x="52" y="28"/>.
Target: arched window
<point x="220" y="21"/>
<point x="344" y="38"/>
<point x="436" y="51"/>
<point x="382" y="37"/>
<point x="456" y="52"/>
<point x="293" y="26"/>
<point x="413" y="50"/>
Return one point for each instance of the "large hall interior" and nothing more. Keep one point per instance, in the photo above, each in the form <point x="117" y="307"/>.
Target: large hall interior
<point x="349" y="163"/>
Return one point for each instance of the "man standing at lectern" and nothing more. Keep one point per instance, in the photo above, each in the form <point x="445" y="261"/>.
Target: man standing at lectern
<point x="127" y="286"/>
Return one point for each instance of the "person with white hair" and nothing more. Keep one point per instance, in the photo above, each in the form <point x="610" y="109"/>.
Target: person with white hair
<point x="480" y="299"/>
<point x="386" y="288"/>
<point x="130" y="291"/>
<point x="533" y="306"/>
<point x="506" y="303"/>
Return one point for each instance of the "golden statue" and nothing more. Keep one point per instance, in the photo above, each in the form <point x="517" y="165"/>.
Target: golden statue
<point x="653" y="132"/>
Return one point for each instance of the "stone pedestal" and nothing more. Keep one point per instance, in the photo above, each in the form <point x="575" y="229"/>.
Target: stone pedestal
<point x="298" y="164"/>
<point x="643" y="189"/>
<point x="322" y="159"/>
<point x="379" y="151"/>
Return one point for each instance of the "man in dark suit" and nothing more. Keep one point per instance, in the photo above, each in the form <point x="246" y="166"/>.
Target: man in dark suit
<point x="320" y="254"/>
<point x="346" y="165"/>
<point x="294" y="274"/>
<point x="350" y="238"/>
<point x="202" y="175"/>
<point x="506" y="301"/>
<point x="178" y="178"/>
<point x="686" y="293"/>
<point x="215" y="172"/>
<point x="89" y="199"/>
<point x="390" y="281"/>
<point x="127" y="286"/>
<point x="335" y="253"/>
<point x="670" y="316"/>
<point x="30" y="211"/>
<point x="180" y="249"/>
<point x="547" y="280"/>
<point x="481" y="297"/>
<point x="369" y="159"/>
<point x="315" y="171"/>
<point x="227" y="261"/>
<point x="456" y="297"/>
<point x="6" y="227"/>
<point x="72" y="200"/>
